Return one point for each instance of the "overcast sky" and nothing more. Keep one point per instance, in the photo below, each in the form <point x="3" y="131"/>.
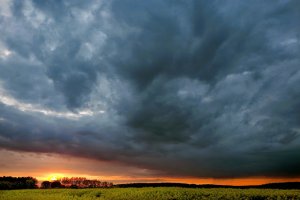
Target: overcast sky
<point x="172" y="88"/>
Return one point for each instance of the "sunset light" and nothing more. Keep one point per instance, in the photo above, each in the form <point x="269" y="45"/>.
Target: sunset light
<point x="53" y="178"/>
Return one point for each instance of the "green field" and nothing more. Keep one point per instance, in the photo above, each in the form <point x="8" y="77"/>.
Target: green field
<point x="148" y="194"/>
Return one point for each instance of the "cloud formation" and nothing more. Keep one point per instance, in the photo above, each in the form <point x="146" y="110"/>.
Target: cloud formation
<point x="182" y="88"/>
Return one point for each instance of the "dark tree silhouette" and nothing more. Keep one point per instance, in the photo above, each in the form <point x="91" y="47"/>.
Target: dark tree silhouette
<point x="56" y="184"/>
<point x="46" y="184"/>
<point x="73" y="186"/>
<point x="8" y="183"/>
<point x="81" y="182"/>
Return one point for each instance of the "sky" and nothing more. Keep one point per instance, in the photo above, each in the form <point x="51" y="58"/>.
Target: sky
<point x="132" y="91"/>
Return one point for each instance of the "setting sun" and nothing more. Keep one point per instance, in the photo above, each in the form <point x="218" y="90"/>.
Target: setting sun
<point x="54" y="177"/>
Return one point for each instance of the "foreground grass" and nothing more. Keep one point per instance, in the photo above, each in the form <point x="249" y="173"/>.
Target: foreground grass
<point x="149" y="194"/>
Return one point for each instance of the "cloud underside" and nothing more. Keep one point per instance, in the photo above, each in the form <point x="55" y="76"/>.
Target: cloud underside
<point x="182" y="88"/>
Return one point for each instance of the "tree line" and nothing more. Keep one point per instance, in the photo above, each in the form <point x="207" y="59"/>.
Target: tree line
<point x="76" y="182"/>
<point x="10" y="183"/>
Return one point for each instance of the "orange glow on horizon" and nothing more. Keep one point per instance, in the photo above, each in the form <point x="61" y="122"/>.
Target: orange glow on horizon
<point x="50" y="167"/>
<point x="234" y="181"/>
<point x="130" y="179"/>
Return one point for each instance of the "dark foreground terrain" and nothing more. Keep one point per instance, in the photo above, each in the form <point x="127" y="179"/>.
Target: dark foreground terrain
<point x="150" y="193"/>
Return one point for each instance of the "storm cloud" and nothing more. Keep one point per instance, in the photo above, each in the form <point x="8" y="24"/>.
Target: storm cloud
<point x="181" y="88"/>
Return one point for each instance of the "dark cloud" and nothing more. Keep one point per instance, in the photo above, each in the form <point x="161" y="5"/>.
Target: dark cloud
<point x="183" y="88"/>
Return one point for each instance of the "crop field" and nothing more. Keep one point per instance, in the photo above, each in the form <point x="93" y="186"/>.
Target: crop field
<point x="148" y="194"/>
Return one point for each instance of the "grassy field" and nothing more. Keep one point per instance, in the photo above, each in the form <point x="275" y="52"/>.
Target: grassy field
<point x="148" y="194"/>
